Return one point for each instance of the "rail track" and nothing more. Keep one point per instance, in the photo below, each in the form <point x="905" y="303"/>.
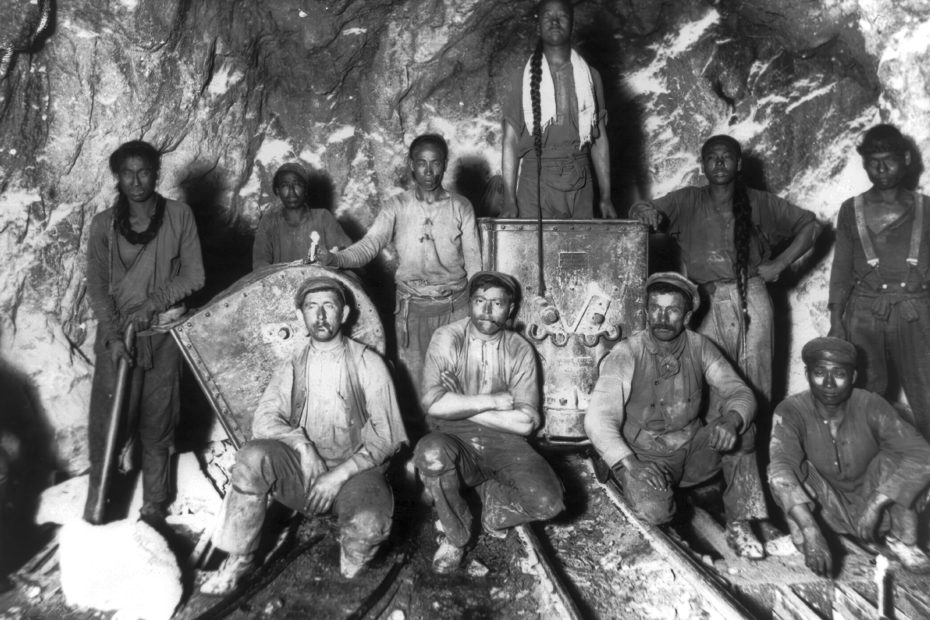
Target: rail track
<point x="597" y="561"/>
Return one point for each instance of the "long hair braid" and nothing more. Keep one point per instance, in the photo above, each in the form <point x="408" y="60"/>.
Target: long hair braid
<point x="535" y="79"/>
<point x="742" y="234"/>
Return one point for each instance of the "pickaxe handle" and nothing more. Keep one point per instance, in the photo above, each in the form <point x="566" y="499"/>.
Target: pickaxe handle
<point x="119" y="395"/>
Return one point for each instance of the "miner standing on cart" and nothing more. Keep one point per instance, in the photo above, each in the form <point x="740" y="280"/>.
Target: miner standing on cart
<point x="555" y="125"/>
<point x="481" y="394"/>
<point x="434" y="233"/>
<point x="322" y="434"/>
<point x="143" y="259"/>
<point x="880" y="281"/>
<point x="647" y="420"/>
<point x="726" y="232"/>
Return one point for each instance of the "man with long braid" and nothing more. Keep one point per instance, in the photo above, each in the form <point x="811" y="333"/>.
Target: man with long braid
<point x="726" y="232"/>
<point x="555" y="124"/>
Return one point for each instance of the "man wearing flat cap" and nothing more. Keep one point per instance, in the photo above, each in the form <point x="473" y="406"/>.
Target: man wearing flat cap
<point x="481" y="395"/>
<point x="844" y="459"/>
<point x="321" y="436"/>
<point x="647" y="420"/>
<point x="287" y="231"/>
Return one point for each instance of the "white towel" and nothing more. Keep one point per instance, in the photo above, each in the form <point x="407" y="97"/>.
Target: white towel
<point x="584" y="95"/>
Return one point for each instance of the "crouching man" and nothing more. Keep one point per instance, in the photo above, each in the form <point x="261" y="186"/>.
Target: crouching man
<point x="645" y="416"/>
<point x="322" y="434"/>
<point x="481" y="394"/>
<point x="848" y="454"/>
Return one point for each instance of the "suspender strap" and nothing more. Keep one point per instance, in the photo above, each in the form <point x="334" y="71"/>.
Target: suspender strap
<point x="917" y="229"/>
<point x="864" y="238"/>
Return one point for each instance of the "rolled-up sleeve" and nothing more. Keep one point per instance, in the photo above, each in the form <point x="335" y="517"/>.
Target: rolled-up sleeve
<point x="273" y="413"/>
<point x="443" y="349"/>
<point x="376" y="239"/>
<point x="524" y="383"/>
<point x="604" y="419"/>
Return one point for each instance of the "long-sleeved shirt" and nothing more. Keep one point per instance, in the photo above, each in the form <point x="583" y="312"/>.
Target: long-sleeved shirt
<point x="891" y="245"/>
<point x="276" y="241"/>
<point x="868" y="426"/>
<point x="436" y="243"/>
<point x="121" y="276"/>
<point x="504" y="363"/>
<point x="705" y="234"/>
<point x="347" y="407"/>
<point x="640" y="388"/>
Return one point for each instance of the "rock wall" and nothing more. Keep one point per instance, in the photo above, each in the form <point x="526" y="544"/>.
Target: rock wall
<point x="232" y="88"/>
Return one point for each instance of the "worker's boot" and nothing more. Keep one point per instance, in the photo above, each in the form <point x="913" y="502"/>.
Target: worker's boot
<point x="230" y="573"/>
<point x="902" y="542"/>
<point x="743" y="541"/>
<point x="447" y="557"/>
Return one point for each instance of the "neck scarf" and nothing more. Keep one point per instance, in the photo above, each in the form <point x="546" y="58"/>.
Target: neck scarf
<point x="584" y="95"/>
<point x="121" y="221"/>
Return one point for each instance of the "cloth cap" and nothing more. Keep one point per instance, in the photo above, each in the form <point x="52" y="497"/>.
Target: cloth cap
<point x="495" y="278"/>
<point x="829" y="349"/>
<point x="294" y="168"/>
<point x="680" y="282"/>
<point x="320" y="283"/>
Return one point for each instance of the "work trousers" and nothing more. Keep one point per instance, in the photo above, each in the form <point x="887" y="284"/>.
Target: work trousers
<point x="415" y="320"/>
<point x="905" y="344"/>
<point x="364" y="506"/>
<point x="152" y="402"/>
<point x="566" y="184"/>
<point x="515" y="483"/>
<point x="750" y="352"/>
<point x="841" y="510"/>
<point x="691" y="464"/>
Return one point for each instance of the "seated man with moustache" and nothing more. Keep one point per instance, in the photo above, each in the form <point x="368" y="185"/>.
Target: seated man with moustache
<point x="843" y="458"/>
<point x="646" y="420"/>
<point x="321" y="437"/>
<point x="481" y="394"/>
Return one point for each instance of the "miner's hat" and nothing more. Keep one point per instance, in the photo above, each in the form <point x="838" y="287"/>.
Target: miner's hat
<point x="687" y="287"/>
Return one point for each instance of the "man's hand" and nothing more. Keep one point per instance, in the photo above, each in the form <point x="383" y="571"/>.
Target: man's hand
<point x="141" y="316"/>
<point x="870" y="517"/>
<point x="648" y="215"/>
<point x="450" y="382"/>
<point x="324" y="257"/>
<point x="608" y="212"/>
<point x="645" y="471"/>
<point x="837" y="330"/>
<point x="771" y="270"/>
<point x="724" y="431"/>
<point x="816" y="551"/>
<point x="310" y="463"/>
<point x="503" y="401"/>
<point x="323" y="492"/>
<point x="118" y="351"/>
<point x="510" y="206"/>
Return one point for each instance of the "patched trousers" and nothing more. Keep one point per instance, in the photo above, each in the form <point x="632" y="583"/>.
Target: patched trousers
<point x="153" y="400"/>
<point x="515" y="483"/>
<point x="691" y="464"/>
<point x="264" y="468"/>
<point x="894" y="344"/>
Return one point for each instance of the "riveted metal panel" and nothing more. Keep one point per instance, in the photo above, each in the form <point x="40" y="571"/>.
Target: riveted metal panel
<point x="235" y="342"/>
<point x="595" y="273"/>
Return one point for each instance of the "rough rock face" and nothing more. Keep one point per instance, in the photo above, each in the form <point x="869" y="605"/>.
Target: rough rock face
<point x="230" y="89"/>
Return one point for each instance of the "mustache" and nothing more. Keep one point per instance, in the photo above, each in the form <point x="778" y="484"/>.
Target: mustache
<point x="321" y="324"/>
<point x="490" y="320"/>
<point x="662" y="326"/>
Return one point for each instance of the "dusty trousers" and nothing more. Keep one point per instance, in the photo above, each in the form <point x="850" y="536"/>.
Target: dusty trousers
<point x="841" y="511"/>
<point x="691" y="464"/>
<point x="364" y="506"/>
<point x="515" y="483"/>
<point x="894" y="344"/>
<point x="153" y="400"/>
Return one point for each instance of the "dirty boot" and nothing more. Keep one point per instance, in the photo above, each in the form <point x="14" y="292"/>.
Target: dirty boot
<point x="229" y="574"/>
<point x="743" y="541"/>
<point x="912" y="558"/>
<point x="447" y="557"/>
<point x="349" y="566"/>
<point x="500" y="534"/>
<point x="153" y="513"/>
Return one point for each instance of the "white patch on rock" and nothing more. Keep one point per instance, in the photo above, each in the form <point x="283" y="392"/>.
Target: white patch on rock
<point x="342" y="134"/>
<point x="125" y="566"/>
